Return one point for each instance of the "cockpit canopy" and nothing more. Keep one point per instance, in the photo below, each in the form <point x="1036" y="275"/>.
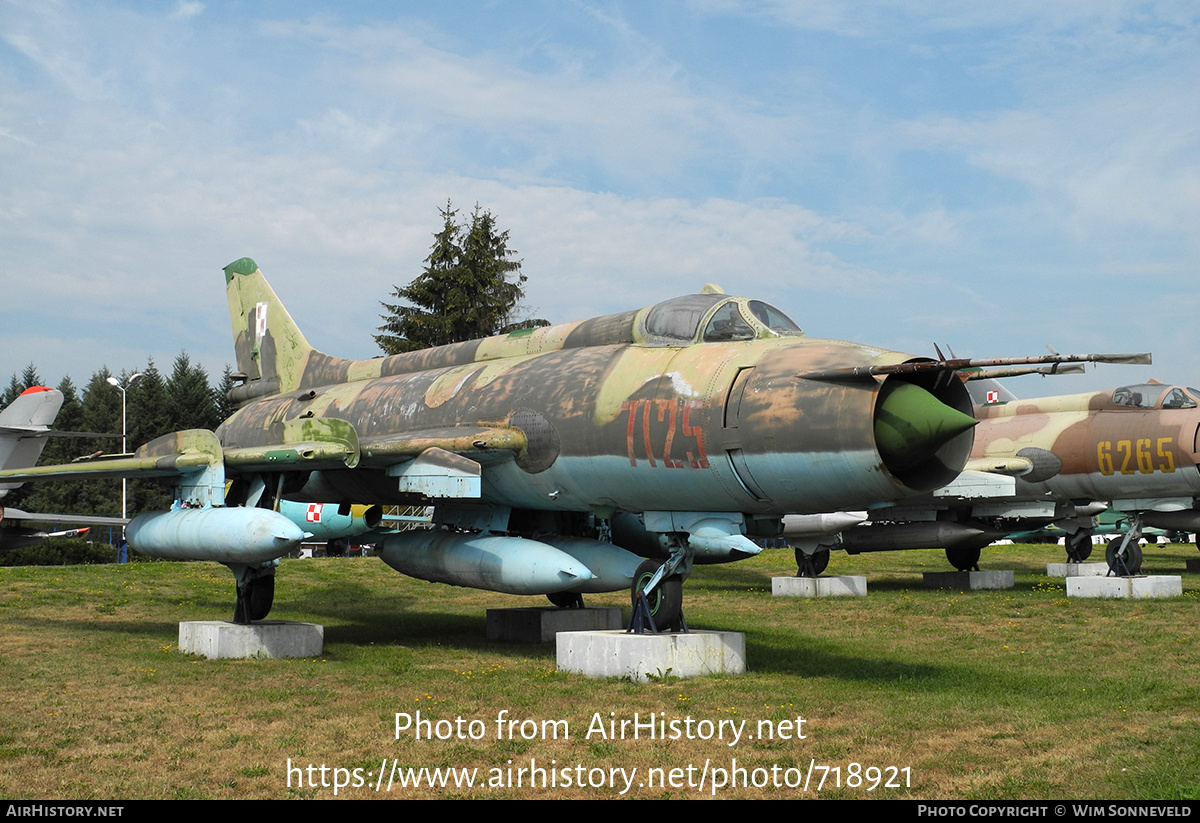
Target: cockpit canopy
<point x="714" y="318"/>
<point x="1155" y="395"/>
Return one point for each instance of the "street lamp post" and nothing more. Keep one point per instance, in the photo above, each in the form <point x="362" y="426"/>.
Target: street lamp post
<point x="124" y="432"/>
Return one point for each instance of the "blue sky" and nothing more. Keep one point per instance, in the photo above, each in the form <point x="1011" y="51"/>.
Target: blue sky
<point x="995" y="176"/>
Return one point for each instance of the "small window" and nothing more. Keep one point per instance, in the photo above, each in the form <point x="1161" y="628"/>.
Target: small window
<point x="772" y="318"/>
<point x="678" y="319"/>
<point x="727" y="324"/>
<point x="1178" y="399"/>
<point x="1140" y="396"/>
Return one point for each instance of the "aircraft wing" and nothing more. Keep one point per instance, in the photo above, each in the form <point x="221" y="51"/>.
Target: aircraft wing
<point x="171" y="455"/>
<point x="25" y="433"/>
<point x="445" y="462"/>
<point x="328" y="443"/>
<point x="308" y="444"/>
<point x="69" y="519"/>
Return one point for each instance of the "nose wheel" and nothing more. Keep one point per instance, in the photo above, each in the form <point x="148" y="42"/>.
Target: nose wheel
<point x="1123" y="563"/>
<point x="1124" y="555"/>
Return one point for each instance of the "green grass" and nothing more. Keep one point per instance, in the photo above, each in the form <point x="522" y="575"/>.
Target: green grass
<point x="1021" y="694"/>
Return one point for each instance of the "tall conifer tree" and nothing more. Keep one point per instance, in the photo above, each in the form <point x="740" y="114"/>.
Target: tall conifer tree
<point x="471" y="287"/>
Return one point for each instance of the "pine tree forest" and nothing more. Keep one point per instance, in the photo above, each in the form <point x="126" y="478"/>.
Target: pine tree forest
<point x="157" y="403"/>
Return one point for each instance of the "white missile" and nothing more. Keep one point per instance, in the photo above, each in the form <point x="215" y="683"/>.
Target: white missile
<point x="815" y="525"/>
<point x="225" y="535"/>
<point x="514" y="565"/>
<point x="612" y="566"/>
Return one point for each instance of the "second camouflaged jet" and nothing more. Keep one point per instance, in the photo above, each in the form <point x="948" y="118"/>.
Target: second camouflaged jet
<point x="1136" y="448"/>
<point x="1052" y="461"/>
<point x="709" y="416"/>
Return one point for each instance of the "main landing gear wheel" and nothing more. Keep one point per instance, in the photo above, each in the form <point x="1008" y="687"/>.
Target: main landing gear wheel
<point x="1079" y="546"/>
<point x="254" y="599"/>
<point x="964" y="558"/>
<point x="566" y="600"/>
<point x="1131" y="563"/>
<point x="665" y="602"/>
<point x="811" y="565"/>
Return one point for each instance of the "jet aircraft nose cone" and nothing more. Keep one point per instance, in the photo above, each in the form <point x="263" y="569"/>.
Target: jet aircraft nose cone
<point x="911" y="424"/>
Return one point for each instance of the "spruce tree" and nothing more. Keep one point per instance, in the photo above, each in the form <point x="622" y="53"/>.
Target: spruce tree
<point x="225" y="407"/>
<point x="149" y="413"/>
<point x="471" y="287"/>
<point x="30" y="377"/>
<point x="191" y="398"/>
<point x="11" y="392"/>
<point x="100" y="411"/>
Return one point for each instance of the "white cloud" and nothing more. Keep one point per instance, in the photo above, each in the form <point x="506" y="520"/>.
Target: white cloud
<point x="188" y="8"/>
<point x="1121" y="162"/>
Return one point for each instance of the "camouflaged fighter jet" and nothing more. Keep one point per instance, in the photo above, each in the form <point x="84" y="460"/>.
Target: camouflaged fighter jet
<point x="708" y="416"/>
<point x="1057" y="460"/>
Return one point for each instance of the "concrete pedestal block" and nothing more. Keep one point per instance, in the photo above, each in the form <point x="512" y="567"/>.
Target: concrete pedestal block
<point x="969" y="581"/>
<point x="217" y="639"/>
<point x="842" y="585"/>
<point x="643" y="656"/>
<point x="1076" y="569"/>
<point x="541" y="624"/>
<point x="1160" y="585"/>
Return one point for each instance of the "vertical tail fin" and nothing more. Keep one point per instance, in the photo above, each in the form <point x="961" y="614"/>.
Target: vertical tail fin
<point x="989" y="392"/>
<point x="21" y="427"/>
<point x="270" y="346"/>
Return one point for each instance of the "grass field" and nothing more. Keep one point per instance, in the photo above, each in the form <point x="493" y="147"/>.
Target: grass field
<point x="1019" y="694"/>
